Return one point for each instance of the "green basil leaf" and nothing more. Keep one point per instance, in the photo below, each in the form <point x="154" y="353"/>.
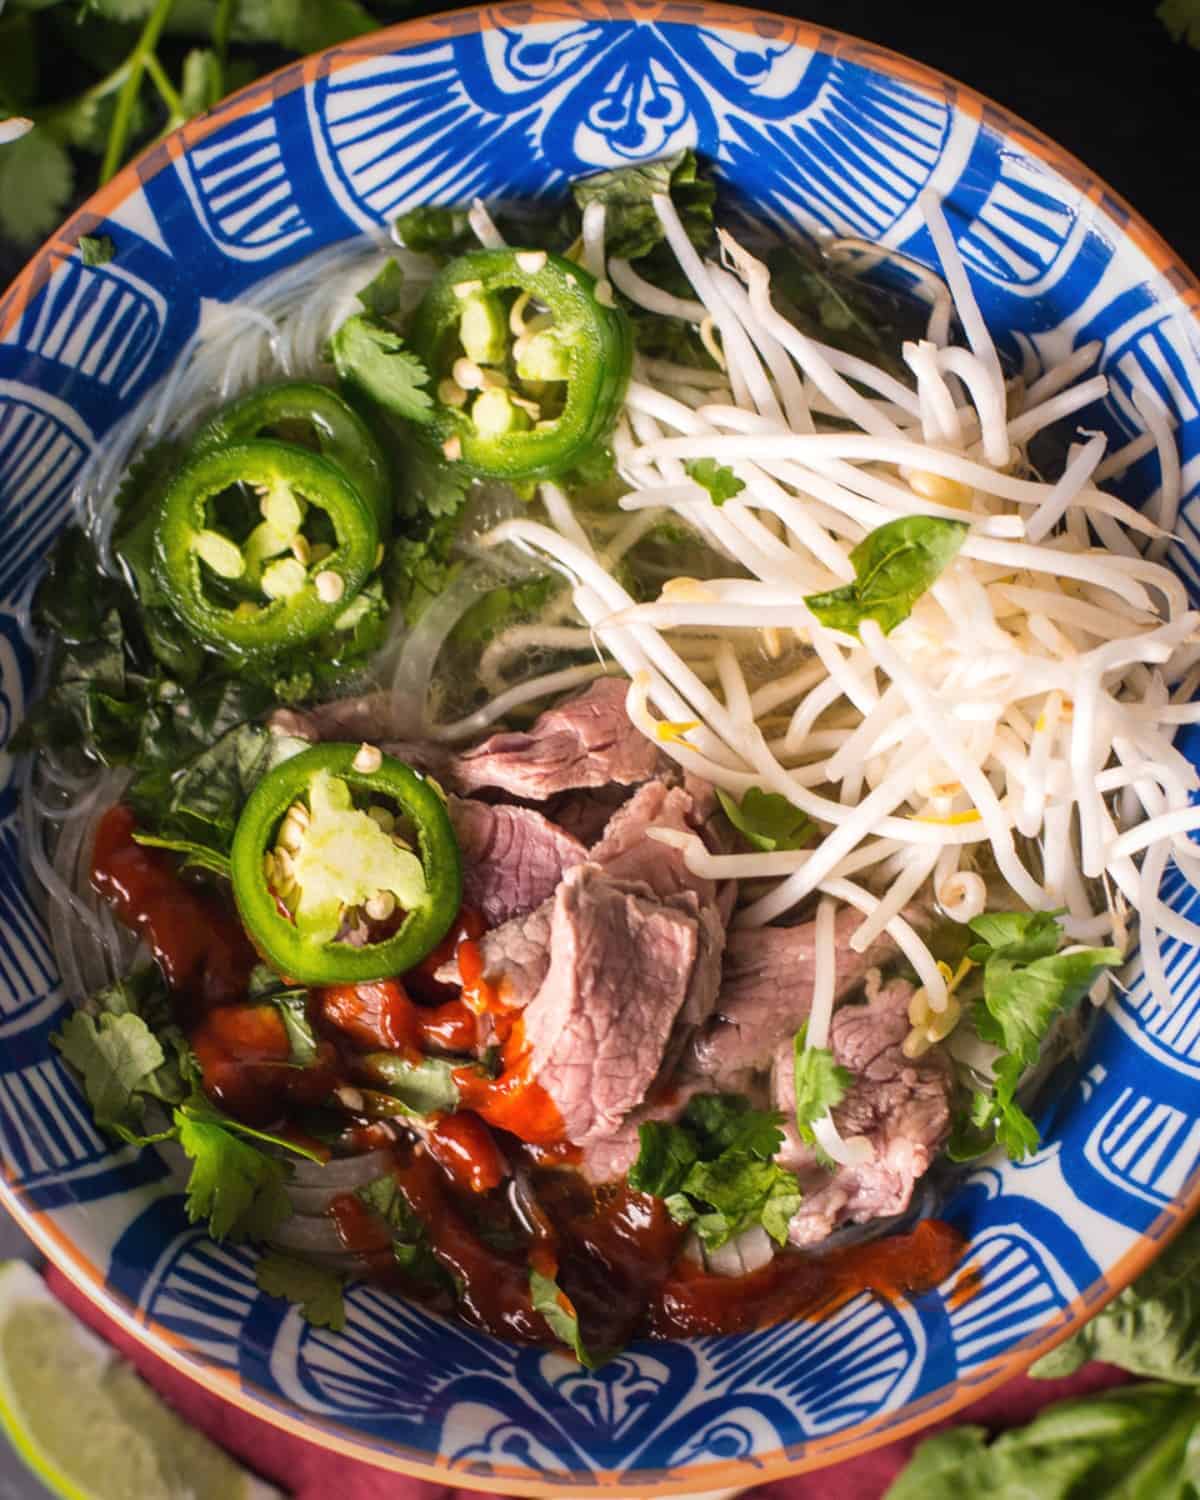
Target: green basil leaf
<point x="556" y="1307"/>
<point x="198" y="855"/>
<point x="426" y="1088"/>
<point x="631" y="226"/>
<point x="894" y="565"/>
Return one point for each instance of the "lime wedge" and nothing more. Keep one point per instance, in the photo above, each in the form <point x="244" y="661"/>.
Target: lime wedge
<point x="84" y="1420"/>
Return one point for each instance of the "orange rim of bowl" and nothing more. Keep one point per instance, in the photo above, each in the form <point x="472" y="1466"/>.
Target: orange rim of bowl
<point x="817" y="1453"/>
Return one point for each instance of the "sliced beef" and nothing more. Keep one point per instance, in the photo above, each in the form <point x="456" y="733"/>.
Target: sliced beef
<point x="513" y="857"/>
<point x="588" y="741"/>
<point x="625" y="852"/>
<point x="585" y="812"/>
<point x="369" y="718"/>
<point x="766" y="993"/>
<point x="621" y="963"/>
<point x="902" y="1107"/>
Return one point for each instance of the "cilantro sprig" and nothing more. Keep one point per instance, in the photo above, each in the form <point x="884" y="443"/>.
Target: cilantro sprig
<point x="715" y="1171"/>
<point x="133" y="1058"/>
<point x="821" y="1084"/>
<point x="1029" y="980"/>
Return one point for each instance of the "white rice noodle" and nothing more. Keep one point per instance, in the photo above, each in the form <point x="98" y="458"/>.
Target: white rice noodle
<point x="593" y="239"/>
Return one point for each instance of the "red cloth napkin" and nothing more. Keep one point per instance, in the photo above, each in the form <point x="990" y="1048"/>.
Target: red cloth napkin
<point x="311" y="1473"/>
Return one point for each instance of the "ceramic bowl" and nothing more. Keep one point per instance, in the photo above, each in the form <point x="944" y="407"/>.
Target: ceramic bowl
<point x="820" y="132"/>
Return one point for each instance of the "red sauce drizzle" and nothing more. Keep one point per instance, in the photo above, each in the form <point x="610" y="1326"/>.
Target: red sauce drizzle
<point x="692" y="1302"/>
<point x="194" y="935"/>
<point x="244" y="1054"/>
<point x="463" y="1147"/>
<point x="515" y="1101"/>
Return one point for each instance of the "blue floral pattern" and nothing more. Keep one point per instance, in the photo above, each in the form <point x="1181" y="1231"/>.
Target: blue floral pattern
<point x="818" y="134"/>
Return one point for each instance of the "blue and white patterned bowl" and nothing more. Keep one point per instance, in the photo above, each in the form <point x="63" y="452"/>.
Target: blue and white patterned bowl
<point x="515" y="100"/>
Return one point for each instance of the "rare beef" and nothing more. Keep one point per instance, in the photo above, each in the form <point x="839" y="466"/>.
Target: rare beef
<point x="901" y="1107"/>
<point x="513" y="857"/>
<point x="766" y="994"/>
<point x="510" y="953"/>
<point x="585" y="812"/>
<point x="620" y="966"/>
<point x="588" y="741"/>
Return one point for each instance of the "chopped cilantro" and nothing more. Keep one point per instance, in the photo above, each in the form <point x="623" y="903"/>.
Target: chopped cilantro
<point x="96" y="250"/>
<point x="714" y="1169"/>
<point x="821" y="1083"/>
<point x="721" y="482"/>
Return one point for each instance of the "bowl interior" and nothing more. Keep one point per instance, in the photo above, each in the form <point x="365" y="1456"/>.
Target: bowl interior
<point x="818" y="133"/>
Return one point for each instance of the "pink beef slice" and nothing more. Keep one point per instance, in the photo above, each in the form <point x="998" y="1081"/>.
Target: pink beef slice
<point x="513" y="857"/>
<point x="597" y="1029"/>
<point x="588" y="741"/>
<point x="766" y="994"/>
<point x="510" y="952"/>
<point x="901" y="1106"/>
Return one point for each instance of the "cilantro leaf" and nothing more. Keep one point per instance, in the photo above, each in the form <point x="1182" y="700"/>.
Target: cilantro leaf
<point x="374" y="359"/>
<point x="316" y="1289"/>
<point x="821" y="1083"/>
<point x="631" y="226"/>
<point x="36" y="183"/>
<point x="236" y="1187"/>
<point x="1027" y="985"/>
<point x="556" y="1307"/>
<point x="721" y="482"/>
<point x="382" y="297"/>
<point x="117" y="1056"/>
<point x="767" y="819"/>
<point x="894" y="565"/>
<point x="714" y="1169"/>
<point x="419" y="568"/>
<point x="96" y="250"/>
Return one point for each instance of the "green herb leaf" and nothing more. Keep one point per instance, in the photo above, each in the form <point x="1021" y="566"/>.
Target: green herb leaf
<point x="375" y="360"/>
<point x="1152" y="1328"/>
<point x="441" y="232"/>
<point x="894" y="565"/>
<point x="202" y="84"/>
<point x="631" y="226"/>
<point x="383" y="297"/>
<point x="714" y="1169"/>
<point x="721" y="482"/>
<point x="235" y="1186"/>
<point x="821" y="1083"/>
<point x="315" y="1289"/>
<point x="1141" y="1442"/>
<point x="118" y="1056"/>
<point x="1182" y="20"/>
<point x="767" y="819"/>
<point x="419" y="568"/>
<point x="36" y="183"/>
<point x="425" y="1088"/>
<point x="292" y="1006"/>
<point x="556" y="1307"/>
<point x="1027" y="985"/>
<point x="96" y="250"/>
<point x="198" y="855"/>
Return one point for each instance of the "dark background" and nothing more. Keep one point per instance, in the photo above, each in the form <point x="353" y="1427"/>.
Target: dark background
<point x="1101" y="77"/>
